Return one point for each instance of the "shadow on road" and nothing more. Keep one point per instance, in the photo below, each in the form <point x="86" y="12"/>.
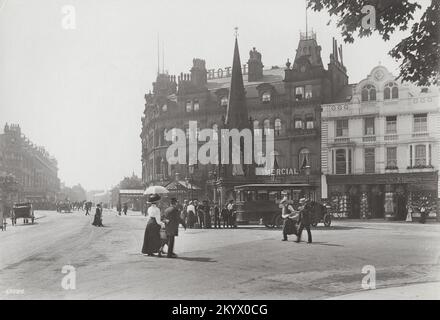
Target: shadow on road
<point x="327" y="244"/>
<point x="197" y="259"/>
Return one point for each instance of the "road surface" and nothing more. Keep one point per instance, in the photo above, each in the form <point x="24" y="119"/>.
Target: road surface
<point x="245" y="263"/>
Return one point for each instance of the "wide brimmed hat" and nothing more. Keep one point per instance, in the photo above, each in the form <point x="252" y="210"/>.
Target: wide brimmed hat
<point x="153" y="198"/>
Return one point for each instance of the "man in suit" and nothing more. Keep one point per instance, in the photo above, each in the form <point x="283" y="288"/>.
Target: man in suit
<point x="216" y="214"/>
<point x="305" y="220"/>
<point x="172" y="220"/>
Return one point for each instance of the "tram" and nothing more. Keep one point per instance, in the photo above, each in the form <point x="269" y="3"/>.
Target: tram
<point x="260" y="202"/>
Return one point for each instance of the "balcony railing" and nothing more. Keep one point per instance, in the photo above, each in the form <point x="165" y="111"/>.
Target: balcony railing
<point x="342" y="140"/>
<point x="369" y="139"/>
<point x="391" y="137"/>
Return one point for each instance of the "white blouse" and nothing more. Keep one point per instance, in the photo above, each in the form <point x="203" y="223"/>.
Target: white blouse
<point x="154" y="212"/>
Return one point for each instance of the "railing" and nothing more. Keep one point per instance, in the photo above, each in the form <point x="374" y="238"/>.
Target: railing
<point x="391" y="137"/>
<point x="420" y="134"/>
<point x="369" y="139"/>
<point x="342" y="140"/>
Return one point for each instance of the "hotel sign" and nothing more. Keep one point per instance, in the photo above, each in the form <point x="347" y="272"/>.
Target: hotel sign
<point x="224" y="72"/>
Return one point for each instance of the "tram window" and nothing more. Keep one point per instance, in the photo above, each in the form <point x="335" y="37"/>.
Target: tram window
<point x="262" y="196"/>
<point x="273" y="195"/>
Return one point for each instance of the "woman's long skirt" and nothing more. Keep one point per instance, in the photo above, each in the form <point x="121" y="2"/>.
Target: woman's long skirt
<point x="152" y="240"/>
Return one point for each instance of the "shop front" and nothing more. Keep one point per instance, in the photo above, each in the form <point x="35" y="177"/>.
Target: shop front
<point x="386" y="196"/>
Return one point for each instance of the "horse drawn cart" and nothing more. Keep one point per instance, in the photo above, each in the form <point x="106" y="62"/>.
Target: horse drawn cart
<point x="22" y="210"/>
<point x="64" y="206"/>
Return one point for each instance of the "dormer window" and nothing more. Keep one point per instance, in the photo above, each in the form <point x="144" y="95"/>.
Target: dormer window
<point x="265" y="97"/>
<point x="369" y="93"/>
<point x="224" y="101"/>
<point x="391" y="91"/>
<point x="188" y="106"/>
<point x="196" y="105"/>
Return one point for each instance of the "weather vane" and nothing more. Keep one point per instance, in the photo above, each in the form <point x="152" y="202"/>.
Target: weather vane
<point x="236" y="31"/>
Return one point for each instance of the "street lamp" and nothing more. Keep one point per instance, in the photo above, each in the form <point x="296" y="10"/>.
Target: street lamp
<point x="307" y="170"/>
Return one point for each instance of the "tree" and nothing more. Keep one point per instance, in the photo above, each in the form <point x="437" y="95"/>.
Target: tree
<point x="419" y="53"/>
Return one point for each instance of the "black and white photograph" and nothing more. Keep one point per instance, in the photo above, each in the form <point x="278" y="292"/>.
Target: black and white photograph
<point x="246" y="151"/>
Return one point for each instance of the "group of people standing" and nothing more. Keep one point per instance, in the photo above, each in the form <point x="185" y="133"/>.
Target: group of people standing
<point x="161" y="229"/>
<point x="293" y="217"/>
<point x="207" y="216"/>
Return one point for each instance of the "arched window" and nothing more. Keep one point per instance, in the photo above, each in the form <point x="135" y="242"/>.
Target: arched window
<point x="391" y="91"/>
<point x="196" y="105"/>
<point x="266" y="96"/>
<point x="188" y="106"/>
<point x="369" y="93"/>
<point x="277" y="127"/>
<point x="224" y="101"/>
<point x="304" y="158"/>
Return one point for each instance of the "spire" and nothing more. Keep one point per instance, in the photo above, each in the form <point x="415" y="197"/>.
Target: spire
<point x="236" y="113"/>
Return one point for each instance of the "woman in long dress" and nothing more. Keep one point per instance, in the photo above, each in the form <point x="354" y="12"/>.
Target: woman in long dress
<point x="152" y="242"/>
<point x="97" y="220"/>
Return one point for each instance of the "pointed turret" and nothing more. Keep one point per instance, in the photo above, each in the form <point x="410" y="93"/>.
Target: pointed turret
<point x="236" y="113"/>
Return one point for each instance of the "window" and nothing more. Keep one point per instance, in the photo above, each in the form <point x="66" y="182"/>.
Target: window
<point x="391" y="125"/>
<point x="420" y="155"/>
<point x="342" y="128"/>
<point x="369" y="93"/>
<point x="256" y="127"/>
<point x="188" y="106"/>
<point x="309" y="122"/>
<point x="266" y="125"/>
<point x="421" y="122"/>
<point x="215" y="131"/>
<point x="174" y="135"/>
<point x="298" y="124"/>
<point x="392" y="157"/>
<point x="196" y="105"/>
<point x="224" y="101"/>
<point x="391" y="91"/>
<point x="341" y="161"/>
<point x="370" y="160"/>
<point x="265" y="97"/>
<point x="164" y="108"/>
<point x="277" y="127"/>
<point x="299" y="93"/>
<point x="304" y="158"/>
<point x="369" y="126"/>
<point x="308" y="92"/>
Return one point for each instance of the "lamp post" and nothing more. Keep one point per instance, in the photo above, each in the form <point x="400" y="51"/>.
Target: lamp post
<point x="191" y="172"/>
<point x="307" y="170"/>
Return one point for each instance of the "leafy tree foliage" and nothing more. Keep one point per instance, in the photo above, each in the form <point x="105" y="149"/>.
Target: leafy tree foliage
<point x="419" y="53"/>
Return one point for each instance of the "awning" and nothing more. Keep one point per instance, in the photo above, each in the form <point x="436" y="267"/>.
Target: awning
<point x="179" y="185"/>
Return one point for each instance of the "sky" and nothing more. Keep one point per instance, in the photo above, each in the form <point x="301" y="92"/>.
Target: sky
<point x="79" y="91"/>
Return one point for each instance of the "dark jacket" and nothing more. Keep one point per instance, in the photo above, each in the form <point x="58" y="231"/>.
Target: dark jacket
<point x="172" y="214"/>
<point x="305" y="216"/>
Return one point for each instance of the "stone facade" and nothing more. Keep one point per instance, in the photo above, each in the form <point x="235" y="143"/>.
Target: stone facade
<point x="33" y="168"/>
<point x="380" y="148"/>
<point x="287" y="99"/>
